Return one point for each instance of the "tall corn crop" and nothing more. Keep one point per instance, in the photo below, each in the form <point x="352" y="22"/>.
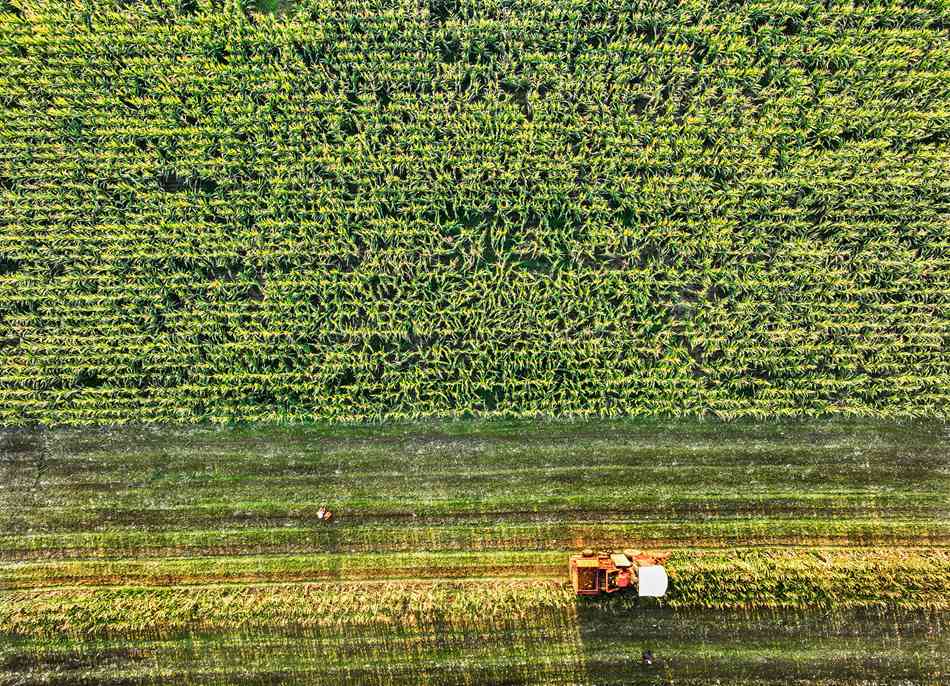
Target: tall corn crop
<point x="384" y="209"/>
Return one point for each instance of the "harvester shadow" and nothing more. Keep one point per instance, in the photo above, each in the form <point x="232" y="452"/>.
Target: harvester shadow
<point x="760" y="646"/>
<point x="617" y="638"/>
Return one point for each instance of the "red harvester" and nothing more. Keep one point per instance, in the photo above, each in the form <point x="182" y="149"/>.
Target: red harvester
<point x="596" y="573"/>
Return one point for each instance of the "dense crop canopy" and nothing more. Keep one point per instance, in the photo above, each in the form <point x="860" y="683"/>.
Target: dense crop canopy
<point x="364" y="209"/>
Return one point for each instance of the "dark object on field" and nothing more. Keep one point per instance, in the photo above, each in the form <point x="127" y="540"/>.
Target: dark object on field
<point x="603" y="572"/>
<point x="324" y="514"/>
<point x="647" y="657"/>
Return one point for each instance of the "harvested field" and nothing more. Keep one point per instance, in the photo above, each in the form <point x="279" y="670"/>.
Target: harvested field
<point x="807" y="552"/>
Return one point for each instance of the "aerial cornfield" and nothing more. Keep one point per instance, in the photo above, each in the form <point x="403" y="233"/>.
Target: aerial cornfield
<point x="494" y="281"/>
<point x="387" y="209"/>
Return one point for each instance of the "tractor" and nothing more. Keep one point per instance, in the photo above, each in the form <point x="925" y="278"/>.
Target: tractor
<point x="599" y="573"/>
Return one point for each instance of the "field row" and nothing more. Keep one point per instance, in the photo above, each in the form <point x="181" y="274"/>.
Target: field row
<point x="534" y="537"/>
<point x="890" y="511"/>
<point x="364" y="596"/>
<point x="582" y="646"/>
<point x="899" y="570"/>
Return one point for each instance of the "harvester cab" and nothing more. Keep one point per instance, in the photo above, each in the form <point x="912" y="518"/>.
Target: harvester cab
<point x="597" y="573"/>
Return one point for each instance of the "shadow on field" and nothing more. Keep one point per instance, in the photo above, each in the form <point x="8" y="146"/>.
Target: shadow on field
<point x="762" y="647"/>
<point x="24" y="462"/>
<point x="615" y="635"/>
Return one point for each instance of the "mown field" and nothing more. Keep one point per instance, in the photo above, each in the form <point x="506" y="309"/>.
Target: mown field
<point x="806" y="553"/>
<point x="361" y="209"/>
